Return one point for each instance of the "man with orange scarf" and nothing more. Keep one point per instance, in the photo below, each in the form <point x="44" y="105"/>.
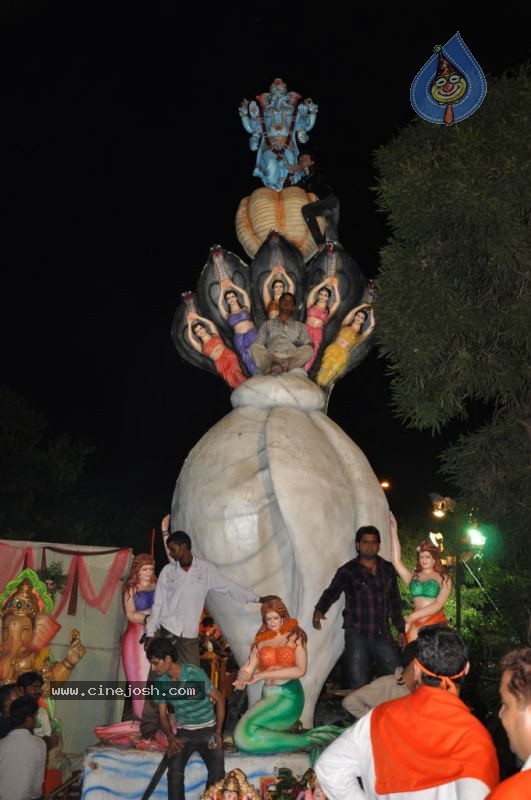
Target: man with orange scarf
<point x="425" y="746"/>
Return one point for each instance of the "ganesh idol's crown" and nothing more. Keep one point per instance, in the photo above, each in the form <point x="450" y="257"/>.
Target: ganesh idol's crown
<point x="22" y="602"/>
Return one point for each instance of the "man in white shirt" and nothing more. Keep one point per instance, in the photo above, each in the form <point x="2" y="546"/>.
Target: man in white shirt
<point x="424" y="746"/>
<point x="22" y="754"/>
<point x="179" y="600"/>
<point x="384" y="688"/>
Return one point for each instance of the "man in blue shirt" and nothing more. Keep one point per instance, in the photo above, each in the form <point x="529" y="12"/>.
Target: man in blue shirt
<point x="199" y="710"/>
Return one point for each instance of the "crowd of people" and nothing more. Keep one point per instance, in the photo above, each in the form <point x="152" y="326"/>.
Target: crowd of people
<point x="413" y="702"/>
<point x="407" y="733"/>
<point x="26" y="738"/>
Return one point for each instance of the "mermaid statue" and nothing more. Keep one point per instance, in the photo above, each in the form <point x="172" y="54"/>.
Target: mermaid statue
<point x="279" y="658"/>
<point x="137" y="592"/>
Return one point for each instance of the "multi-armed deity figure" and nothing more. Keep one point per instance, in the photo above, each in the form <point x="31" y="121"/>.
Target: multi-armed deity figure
<point x="277" y="120"/>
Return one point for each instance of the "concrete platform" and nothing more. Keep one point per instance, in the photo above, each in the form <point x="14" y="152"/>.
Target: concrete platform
<point x="124" y="772"/>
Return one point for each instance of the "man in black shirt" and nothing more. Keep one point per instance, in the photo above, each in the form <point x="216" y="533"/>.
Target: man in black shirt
<point x="370" y="586"/>
<point x="307" y="174"/>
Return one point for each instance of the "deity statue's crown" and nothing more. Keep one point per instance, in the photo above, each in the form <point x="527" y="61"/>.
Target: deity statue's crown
<point x="278" y="82"/>
<point x="231" y="783"/>
<point x="22" y="602"/>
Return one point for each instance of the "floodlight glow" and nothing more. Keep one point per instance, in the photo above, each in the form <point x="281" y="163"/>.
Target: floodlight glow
<point x="477" y="539"/>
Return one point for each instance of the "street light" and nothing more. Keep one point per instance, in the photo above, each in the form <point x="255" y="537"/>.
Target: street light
<point x="441" y="505"/>
<point x="476" y="538"/>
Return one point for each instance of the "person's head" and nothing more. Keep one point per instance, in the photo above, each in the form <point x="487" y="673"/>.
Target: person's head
<point x="200" y="330"/>
<point x="442" y="657"/>
<point x="8" y="693"/>
<point x="324" y="294"/>
<point x="408" y="655"/>
<point x="368" y="542"/>
<point x="306" y="160"/>
<point x="275" y="616"/>
<point x="23" y="712"/>
<point x="179" y="546"/>
<point x="515" y="694"/>
<point x="359" y="318"/>
<point x="429" y="558"/>
<point x="278" y="89"/>
<point x="231" y="297"/>
<point x="30" y="683"/>
<point x="286" y="305"/>
<point x="142" y="571"/>
<point x="278" y="287"/>
<point x="161" y="654"/>
<point x="274" y="608"/>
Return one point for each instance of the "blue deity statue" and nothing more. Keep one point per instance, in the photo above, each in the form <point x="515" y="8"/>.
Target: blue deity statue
<point x="277" y="121"/>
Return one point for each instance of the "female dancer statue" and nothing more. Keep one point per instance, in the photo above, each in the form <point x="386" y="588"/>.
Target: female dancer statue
<point x="320" y="308"/>
<point x="211" y="344"/>
<point x="430" y="584"/>
<point x="278" y="657"/>
<point x="239" y="318"/>
<point x="276" y="283"/>
<point x="336" y="355"/>
<point x="137" y="595"/>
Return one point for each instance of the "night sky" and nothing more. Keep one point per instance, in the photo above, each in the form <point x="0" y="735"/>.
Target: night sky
<point x="124" y="161"/>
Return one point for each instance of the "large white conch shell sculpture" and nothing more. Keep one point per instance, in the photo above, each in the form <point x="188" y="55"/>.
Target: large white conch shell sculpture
<point x="273" y="495"/>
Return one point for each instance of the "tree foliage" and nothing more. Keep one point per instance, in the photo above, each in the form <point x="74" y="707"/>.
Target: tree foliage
<point x="453" y="303"/>
<point x="37" y="468"/>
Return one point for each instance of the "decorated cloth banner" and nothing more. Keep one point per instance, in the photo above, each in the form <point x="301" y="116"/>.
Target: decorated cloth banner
<point x="13" y="559"/>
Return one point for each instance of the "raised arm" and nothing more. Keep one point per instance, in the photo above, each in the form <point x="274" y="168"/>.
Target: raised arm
<point x="165" y="531"/>
<point x="209" y="325"/>
<point x="352" y="313"/>
<point x="246" y="300"/>
<point x="312" y="295"/>
<point x="372" y="323"/>
<point x="335" y="305"/>
<point x="266" y="288"/>
<point x="191" y="338"/>
<point x="396" y="552"/>
<point x="223" y="286"/>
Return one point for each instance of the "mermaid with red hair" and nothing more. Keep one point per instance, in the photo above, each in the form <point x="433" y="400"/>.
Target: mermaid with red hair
<point x="279" y="658"/>
<point x="429" y="582"/>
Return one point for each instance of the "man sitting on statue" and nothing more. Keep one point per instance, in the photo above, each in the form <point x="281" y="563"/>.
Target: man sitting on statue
<point x="282" y="343"/>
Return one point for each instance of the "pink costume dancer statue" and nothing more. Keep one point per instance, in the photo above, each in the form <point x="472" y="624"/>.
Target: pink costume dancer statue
<point x="320" y="307"/>
<point x="137" y="594"/>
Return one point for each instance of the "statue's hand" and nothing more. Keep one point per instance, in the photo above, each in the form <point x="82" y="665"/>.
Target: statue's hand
<point x="253" y="109"/>
<point x="76" y="651"/>
<point x="244" y="108"/>
<point x="316" y="619"/>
